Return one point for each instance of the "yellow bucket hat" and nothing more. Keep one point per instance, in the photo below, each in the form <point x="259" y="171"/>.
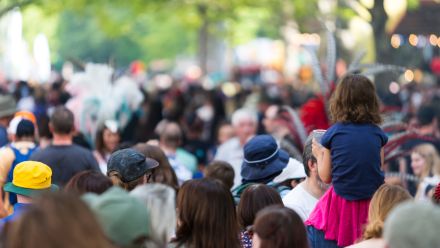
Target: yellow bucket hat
<point x="30" y="178"/>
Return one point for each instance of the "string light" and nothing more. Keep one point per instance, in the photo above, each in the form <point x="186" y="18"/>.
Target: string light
<point x="409" y="75"/>
<point x="413" y="40"/>
<point x="433" y="39"/>
<point x="395" y="41"/>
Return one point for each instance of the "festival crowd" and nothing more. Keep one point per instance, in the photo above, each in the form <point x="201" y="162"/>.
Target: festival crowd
<point x="270" y="167"/>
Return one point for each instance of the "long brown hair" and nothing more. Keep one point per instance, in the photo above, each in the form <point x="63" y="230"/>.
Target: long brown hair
<point x="280" y="227"/>
<point x="56" y="220"/>
<point x="163" y="173"/>
<point x="206" y="215"/>
<point x="253" y="199"/>
<point x="355" y="100"/>
<point x="383" y="201"/>
<point x="88" y="181"/>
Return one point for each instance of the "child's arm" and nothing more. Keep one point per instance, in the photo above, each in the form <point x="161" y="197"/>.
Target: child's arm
<point x="324" y="162"/>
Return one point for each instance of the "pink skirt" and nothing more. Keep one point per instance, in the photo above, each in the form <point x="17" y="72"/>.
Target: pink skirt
<point x="341" y="220"/>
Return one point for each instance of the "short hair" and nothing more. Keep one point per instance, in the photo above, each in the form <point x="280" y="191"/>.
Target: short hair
<point x="383" y="201"/>
<point x="171" y="135"/>
<point x="355" y="100"/>
<point x="279" y="226"/>
<point x="222" y="171"/>
<point x="25" y="128"/>
<point x="159" y="199"/>
<point x="413" y="224"/>
<point x="253" y="199"/>
<point x="88" y="182"/>
<point x="308" y="155"/>
<point x="426" y="114"/>
<point x="243" y="114"/>
<point x="62" y="120"/>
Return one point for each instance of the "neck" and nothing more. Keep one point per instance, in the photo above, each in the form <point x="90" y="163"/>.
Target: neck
<point x="62" y="139"/>
<point x="312" y="187"/>
<point x="23" y="199"/>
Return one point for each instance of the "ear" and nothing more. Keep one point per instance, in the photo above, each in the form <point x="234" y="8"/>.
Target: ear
<point x="312" y="166"/>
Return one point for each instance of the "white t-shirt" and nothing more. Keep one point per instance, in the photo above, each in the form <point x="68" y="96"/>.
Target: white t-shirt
<point x="301" y="201"/>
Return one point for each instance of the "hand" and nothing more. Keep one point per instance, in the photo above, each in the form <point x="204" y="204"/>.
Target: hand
<point x="316" y="149"/>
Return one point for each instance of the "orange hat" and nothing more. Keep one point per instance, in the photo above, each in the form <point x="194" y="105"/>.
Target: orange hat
<point x="27" y="115"/>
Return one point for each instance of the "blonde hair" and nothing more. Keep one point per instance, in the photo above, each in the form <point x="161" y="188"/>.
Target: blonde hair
<point x="115" y="177"/>
<point x="383" y="201"/>
<point x="432" y="160"/>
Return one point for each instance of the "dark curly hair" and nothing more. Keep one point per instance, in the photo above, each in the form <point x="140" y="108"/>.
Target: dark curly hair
<point x="355" y="100"/>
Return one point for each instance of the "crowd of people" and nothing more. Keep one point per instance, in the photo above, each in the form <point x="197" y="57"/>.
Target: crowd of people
<point x="180" y="175"/>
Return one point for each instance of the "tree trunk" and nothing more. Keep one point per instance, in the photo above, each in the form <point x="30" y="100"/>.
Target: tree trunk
<point x="381" y="38"/>
<point x="203" y="38"/>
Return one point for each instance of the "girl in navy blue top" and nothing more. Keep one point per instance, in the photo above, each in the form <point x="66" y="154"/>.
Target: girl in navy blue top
<point x="350" y="157"/>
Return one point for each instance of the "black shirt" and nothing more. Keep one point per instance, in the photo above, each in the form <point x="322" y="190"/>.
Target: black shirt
<point x="65" y="161"/>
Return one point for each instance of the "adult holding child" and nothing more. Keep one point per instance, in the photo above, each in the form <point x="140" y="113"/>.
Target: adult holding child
<point x="350" y="157"/>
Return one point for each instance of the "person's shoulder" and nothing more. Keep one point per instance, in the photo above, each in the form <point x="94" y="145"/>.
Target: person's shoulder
<point x="294" y="195"/>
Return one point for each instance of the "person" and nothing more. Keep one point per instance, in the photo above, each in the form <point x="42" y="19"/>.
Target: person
<point x="56" y="220"/>
<point x="170" y="141"/>
<point x="244" y="122"/>
<point x="163" y="173"/>
<point x="350" y="156"/>
<point x="263" y="161"/>
<point x="23" y="144"/>
<point x="128" y="168"/>
<point x="205" y="216"/>
<point x="30" y="178"/>
<point x="291" y="176"/>
<point x="222" y="171"/>
<point x="279" y="227"/>
<point x="88" y="182"/>
<point x="7" y="110"/>
<point x="62" y="156"/>
<point x="383" y="202"/>
<point x="304" y="197"/>
<point x="425" y="163"/>
<point x="106" y="141"/>
<point x="125" y="219"/>
<point x="225" y="132"/>
<point x="159" y="200"/>
<point x="254" y="198"/>
<point x="412" y="224"/>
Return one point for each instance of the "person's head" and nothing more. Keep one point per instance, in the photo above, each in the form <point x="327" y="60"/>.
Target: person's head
<point x="309" y="161"/>
<point x="225" y="132"/>
<point x="107" y="137"/>
<point x="245" y="123"/>
<point x="159" y="199"/>
<point x="30" y="178"/>
<point x="61" y="121"/>
<point x="355" y="100"/>
<point x="292" y="175"/>
<point x="412" y="224"/>
<point x="426" y="116"/>
<point x="263" y="159"/>
<point x="279" y="227"/>
<point x="269" y="118"/>
<point x="425" y="160"/>
<point x="222" y="171"/>
<point x="21" y="129"/>
<point x="56" y="220"/>
<point x="88" y="182"/>
<point x="128" y="168"/>
<point x="383" y="201"/>
<point x="206" y="215"/>
<point x="124" y="218"/>
<point x="171" y="135"/>
<point x="253" y="199"/>
<point x="163" y="173"/>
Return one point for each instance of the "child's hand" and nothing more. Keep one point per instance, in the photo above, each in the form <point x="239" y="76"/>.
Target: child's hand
<point x="316" y="149"/>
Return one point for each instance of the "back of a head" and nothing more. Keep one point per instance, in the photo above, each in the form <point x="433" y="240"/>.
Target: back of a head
<point x="171" y="135"/>
<point x="413" y="224"/>
<point x="280" y="227"/>
<point x="62" y="120"/>
<point x="426" y="115"/>
<point x="25" y="129"/>
<point x="160" y="200"/>
<point x="253" y="199"/>
<point x="243" y="114"/>
<point x="383" y="201"/>
<point x="222" y="171"/>
<point x="56" y="220"/>
<point x="88" y="182"/>
<point x="206" y="215"/>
